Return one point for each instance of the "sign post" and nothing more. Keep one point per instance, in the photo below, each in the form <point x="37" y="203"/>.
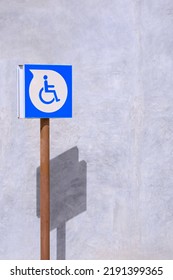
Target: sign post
<point x="44" y="190"/>
<point x="44" y="92"/>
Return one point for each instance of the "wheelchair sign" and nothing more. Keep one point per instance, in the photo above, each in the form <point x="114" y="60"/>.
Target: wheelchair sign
<point x="47" y="91"/>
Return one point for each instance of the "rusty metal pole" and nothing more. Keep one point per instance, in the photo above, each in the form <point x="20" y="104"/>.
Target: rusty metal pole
<point x="44" y="191"/>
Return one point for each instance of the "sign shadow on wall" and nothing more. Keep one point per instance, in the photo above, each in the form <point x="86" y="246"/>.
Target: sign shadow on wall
<point x="68" y="180"/>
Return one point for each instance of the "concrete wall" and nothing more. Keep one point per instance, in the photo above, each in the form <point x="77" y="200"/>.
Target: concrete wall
<point x="122" y="128"/>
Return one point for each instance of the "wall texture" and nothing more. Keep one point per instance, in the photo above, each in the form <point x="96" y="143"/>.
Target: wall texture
<point x="122" y="128"/>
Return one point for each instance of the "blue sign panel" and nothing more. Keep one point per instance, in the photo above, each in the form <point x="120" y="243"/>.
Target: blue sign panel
<point x="46" y="92"/>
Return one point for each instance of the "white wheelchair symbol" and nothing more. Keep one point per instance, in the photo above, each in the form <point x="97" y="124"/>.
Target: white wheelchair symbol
<point x="48" y="89"/>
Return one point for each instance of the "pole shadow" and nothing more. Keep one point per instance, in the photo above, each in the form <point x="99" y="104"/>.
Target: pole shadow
<point x="68" y="180"/>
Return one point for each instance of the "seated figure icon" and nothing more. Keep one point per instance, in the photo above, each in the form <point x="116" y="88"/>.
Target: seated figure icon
<point x="47" y="88"/>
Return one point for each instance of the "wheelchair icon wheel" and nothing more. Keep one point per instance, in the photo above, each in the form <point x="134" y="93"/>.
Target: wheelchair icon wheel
<point x="41" y="98"/>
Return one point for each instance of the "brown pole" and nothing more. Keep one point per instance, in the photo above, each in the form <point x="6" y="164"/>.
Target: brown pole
<point x="44" y="190"/>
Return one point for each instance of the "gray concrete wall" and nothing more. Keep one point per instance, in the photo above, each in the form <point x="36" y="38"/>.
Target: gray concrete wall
<point x="122" y="128"/>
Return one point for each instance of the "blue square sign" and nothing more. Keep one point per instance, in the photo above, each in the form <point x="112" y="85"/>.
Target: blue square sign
<point x="44" y="91"/>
